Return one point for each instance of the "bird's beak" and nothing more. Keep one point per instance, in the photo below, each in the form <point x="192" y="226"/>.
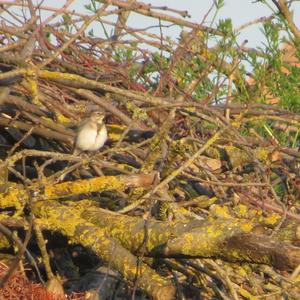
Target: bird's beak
<point x="101" y="119"/>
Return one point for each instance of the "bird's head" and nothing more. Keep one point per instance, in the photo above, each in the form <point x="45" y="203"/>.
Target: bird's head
<point x="97" y="117"/>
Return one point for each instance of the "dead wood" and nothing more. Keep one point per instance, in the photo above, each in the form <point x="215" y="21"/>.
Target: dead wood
<point x="198" y="181"/>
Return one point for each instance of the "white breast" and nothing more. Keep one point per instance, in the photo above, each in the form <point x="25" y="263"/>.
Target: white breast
<point x="90" y="139"/>
<point x="100" y="139"/>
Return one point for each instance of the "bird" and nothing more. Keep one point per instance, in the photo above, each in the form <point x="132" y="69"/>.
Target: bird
<point x="91" y="134"/>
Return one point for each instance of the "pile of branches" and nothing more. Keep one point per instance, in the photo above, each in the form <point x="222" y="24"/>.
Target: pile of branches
<point x="192" y="194"/>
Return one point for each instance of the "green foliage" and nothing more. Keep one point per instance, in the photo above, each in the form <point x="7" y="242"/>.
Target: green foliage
<point x="219" y="4"/>
<point x="123" y="54"/>
<point x="216" y="60"/>
<point x="93" y="6"/>
<point x="281" y="78"/>
<point x="288" y="89"/>
<point x="226" y="28"/>
<point x="91" y="33"/>
<point x="66" y="24"/>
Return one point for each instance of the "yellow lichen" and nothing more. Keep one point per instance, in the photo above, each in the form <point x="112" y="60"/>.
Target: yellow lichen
<point x="31" y="78"/>
<point x="262" y="154"/>
<point x="62" y="119"/>
<point x="246" y="227"/>
<point x="67" y="189"/>
<point x="213" y="231"/>
<point x="272" y="219"/>
<point x="244" y="293"/>
<point x="241" y="210"/>
<point x="220" y="211"/>
<point x="14" y="196"/>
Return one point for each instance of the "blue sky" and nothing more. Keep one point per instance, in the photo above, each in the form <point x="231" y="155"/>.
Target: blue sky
<point x="240" y="11"/>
